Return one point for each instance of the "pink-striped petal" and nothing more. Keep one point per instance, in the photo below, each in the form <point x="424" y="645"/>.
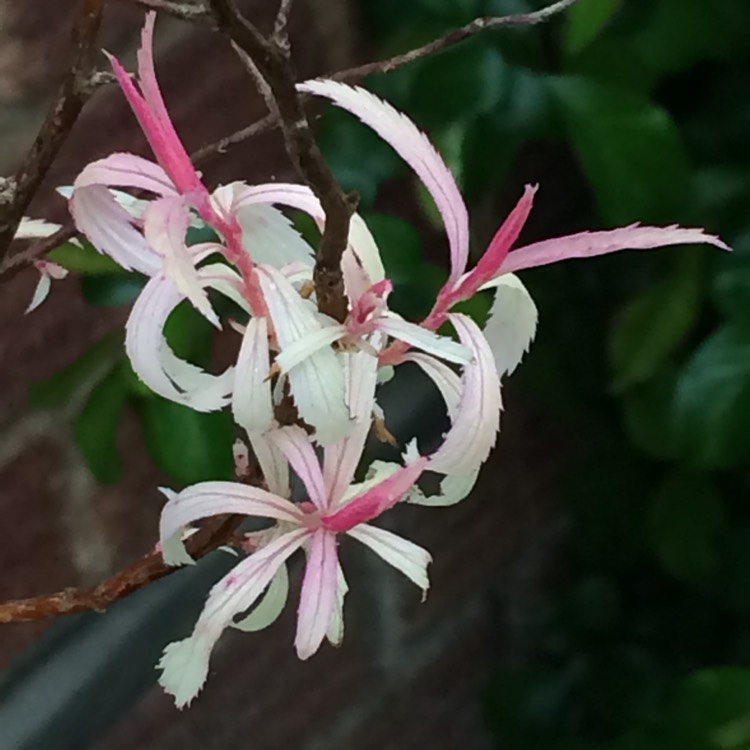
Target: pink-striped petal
<point x="156" y="364"/>
<point x="375" y="500"/>
<point x="213" y="498"/>
<point x="318" y="599"/>
<point x="184" y="664"/>
<point x="126" y="170"/>
<point x="317" y="383"/>
<point x="416" y="150"/>
<point x="424" y="339"/>
<point x="474" y="430"/>
<point x="252" y="405"/>
<point x="294" y="443"/>
<point x="511" y="324"/>
<point x="591" y="244"/>
<point x="407" y="557"/>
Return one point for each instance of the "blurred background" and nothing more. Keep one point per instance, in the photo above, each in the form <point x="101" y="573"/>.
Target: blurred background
<point x="593" y="593"/>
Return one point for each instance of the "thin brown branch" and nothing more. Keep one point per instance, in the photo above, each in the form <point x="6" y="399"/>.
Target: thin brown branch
<point x="281" y="26"/>
<point x="73" y="93"/>
<point x="213" y="534"/>
<point x="186" y="11"/>
<point x="274" y="66"/>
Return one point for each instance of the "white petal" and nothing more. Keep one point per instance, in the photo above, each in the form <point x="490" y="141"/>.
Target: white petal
<point x="317" y="383"/>
<point x="407" y="557"/>
<point x="453" y="489"/>
<point x="335" y="633"/>
<point x="156" y="364"/>
<point x="299" y="350"/>
<point x="40" y="293"/>
<point x="251" y="402"/>
<point x="210" y="499"/>
<point x="273" y="464"/>
<point x="126" y="170"/>
<point x="423" y="339"/>
<point x="184" y="664"/>
<point x="447" y="382"/>
<point x="318" y="599"/>
<point x="474" y="430"/>
<point x="414" y="148"/>
<point x="269" y="607"/>
<point x="30" y="229"/>
<point x="511" y="325"/>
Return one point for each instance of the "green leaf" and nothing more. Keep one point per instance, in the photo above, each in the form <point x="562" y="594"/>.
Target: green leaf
<point x="711" y="710"/>
<point x="687" y="521"/>
<point x="584" y="21"/>
<point x="189" y="334"/>
<point x="731" y="283"/>
<point x="712" y="404"/>
<point x="629" y="149"/>
<point x="652" y="325"/>
<point x="112" y="290"/>
<point x="95" y="427"/>
<point x="400" y="246"/>
<point x="84" y="259"/>
<point x="58" y="389"/>
<point x="189" y="446"/>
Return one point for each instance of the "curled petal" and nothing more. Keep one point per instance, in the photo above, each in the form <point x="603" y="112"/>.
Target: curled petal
<point x="375" y="500"/>
<point x="511" y="325"/>
<point x="414" y="148"/>
<point x="252" y="406"/>
<point x="317" y="383"/>
<point x="156" y="364"/>
<point x="126" y="170"/>
<point x="473" y="432"/>
<point x="407" y="557"/>
<point x="318" y="599"/>
<point x="269" y="607"/>
<point x="184" y="664"/>
<point x="210" y="499"/>
<point x="590" y="244"/>
<point x="423" y="339"/>
<point x="298" y="450"/>
<point x="447" y="382"/>
<point x="453" y="489"/>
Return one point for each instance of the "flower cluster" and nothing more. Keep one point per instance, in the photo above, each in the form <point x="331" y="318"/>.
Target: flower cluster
<point x="289" y="350"/>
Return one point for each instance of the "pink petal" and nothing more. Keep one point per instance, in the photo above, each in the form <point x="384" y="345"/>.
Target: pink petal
<point x="317" y="383"/>
<point x="473" y="432"/>
<point x="590" y="244"/>
<point x="416" y="150"/>
<point x="402" y="554"/>
<point x="376" y="500"/>
<point x="318" y="600"/>
<point x="511" y="325"/>
<point x="214" y="498"/>
<point x="126" y="170"/>
<point x="156" y="364"/>
<point x="340" y="459"/>
<point x="252" y="405"/>
<point x="184" y="664"/>
<point x="296" y="446"/>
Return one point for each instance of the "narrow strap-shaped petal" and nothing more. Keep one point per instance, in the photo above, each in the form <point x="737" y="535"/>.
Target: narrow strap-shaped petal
<point x="416" y="150"/>
<point x="296" y="446"/>
<point x="447" y="382"/>
<point x="511" y="324"/>
<point x="317" y="603"/>
<point x="252" y="405"/>
<point x="108" y="226"/>
<point x="269" y="608"/>
<point x="340" y="459"/>
<point x="298" y="351"/>
<point x="497" y="251"/>
<point x="335" y="633"/>
<point x="273" y="464"/>
<point x="473" y="432"/>
<point x="126" y="170"/>
<point x="156" y="364"/>
<point x="29" y="229"/>
<point x="407" y="557"/>
<point x="453" y="489"/>
<point x="590" y="244"/>
<point x="317" y="383"/>
<point x="424" y="339"/>
<point x="41" y="292"/>
<point x="375" y="500"/>
<point x="184" y="664"/>
<point x="213" y="498"/>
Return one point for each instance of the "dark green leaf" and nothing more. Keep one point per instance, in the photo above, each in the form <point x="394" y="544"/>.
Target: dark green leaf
<point x="111" y="290"/>
<point x="95" y="427"/>
<point x="712" y="404"/>
<point x="629" y="149"/>
<point x="188" y="445"/>
<point x="84" y="259"/>
<point x="687" y="522"/>
<point x="189" y="334"/>
<point x="652" y="325"/>
<point x="400" y="246"/>
<point x="731" y="284"/>
<point x="584" y="21"/>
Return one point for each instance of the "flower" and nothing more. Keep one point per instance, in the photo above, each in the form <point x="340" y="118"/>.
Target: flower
<point x="333" y="507"/>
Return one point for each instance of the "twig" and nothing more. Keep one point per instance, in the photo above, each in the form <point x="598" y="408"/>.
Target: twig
<point x="186" y="11"/>
<point x="148" y="569"/>
<point x="74" y="92"/>
<point x="276" y="69"/>
<point x="280" y="27"/>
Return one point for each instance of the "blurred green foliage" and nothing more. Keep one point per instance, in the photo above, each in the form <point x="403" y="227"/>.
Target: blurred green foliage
<point x="624" y="112"/>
